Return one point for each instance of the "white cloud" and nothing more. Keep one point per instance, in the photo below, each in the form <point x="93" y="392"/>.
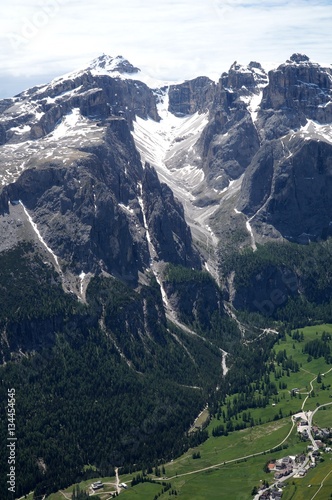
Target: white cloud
<point x="174" y="39"/>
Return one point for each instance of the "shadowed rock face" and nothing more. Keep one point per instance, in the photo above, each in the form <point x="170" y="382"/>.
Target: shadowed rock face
<point x="169" y="232"/>
<point x="300" y="203"/>
<point x="290" y="196"/>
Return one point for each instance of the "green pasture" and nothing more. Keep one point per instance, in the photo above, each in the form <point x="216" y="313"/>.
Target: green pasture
<point x="287" y="402"/>
<point x="232" y="481"/>
<point x="144" y="491"/>
<point x="309" y="370"/>
<point x="323" y="418"/>
<point x="236" y="445"/>
<point x="103" y="493"/>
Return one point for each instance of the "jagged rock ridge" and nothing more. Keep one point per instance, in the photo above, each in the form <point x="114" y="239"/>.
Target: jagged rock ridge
<point x="238" y="154"/>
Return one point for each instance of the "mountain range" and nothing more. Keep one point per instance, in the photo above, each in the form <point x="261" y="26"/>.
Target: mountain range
<point x="159" y="220"/>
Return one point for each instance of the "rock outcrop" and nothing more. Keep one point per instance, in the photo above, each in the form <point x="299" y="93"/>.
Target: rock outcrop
<point x="298" y="90"/>
<point x="230" y="140"/>
<point x="191" y="96"/>
<point x="168" y="230"/>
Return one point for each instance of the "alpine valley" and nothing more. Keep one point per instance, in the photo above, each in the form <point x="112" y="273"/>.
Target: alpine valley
<point x="156" y="240"/>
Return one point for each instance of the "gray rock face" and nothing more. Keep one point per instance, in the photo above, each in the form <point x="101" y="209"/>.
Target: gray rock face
<point x="191" y="96"/>
<point x="36" y="113"/>
<point x="74" y="167"/>
<point x="243" y="78"/>
<point x="228" y="154"/>
<point x="230" y="140"/>
<point x="169" y="232"/>
<point x="300" y="86"/>
<point x="295" y="195"/>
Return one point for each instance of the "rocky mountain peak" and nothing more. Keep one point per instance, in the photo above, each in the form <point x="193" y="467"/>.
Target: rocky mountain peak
<point x="298" y="90"/>
<point x="249" y="76"/>
<point x="108" y="64"/>
<point x="298" y="58"/>
<point x="255" y="64"/>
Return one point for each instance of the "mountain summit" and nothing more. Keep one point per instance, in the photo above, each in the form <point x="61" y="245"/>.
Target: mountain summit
<point x="106" y="64"/>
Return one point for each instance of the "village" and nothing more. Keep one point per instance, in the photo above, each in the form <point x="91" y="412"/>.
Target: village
<point x="297" y="466"/>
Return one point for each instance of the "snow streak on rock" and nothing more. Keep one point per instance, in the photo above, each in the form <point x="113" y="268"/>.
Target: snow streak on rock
<point x="41" y="239"/>
<point x="249" y="229"/>
<point x="82" y="276"/>
<point x="152" y="250"/>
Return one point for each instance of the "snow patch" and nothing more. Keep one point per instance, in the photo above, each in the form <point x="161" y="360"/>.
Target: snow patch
<point x="254" y="105"/>
<point x="109" y="66"/>
<point x="225" y="368"/>
<point x="249" y="229"/>
<point x="315" y="130"/>
<point x="163" y="143"/>
<point x="82" y="276"/>
<point x="38" y="114"/>
<point x="21" y="129"/>
<point x="76" y="128"/>
<point x="68" y="122"/>
<point x="245" y="98"/>
<point x="127" y="209"/>
<point x="221" y="191"/>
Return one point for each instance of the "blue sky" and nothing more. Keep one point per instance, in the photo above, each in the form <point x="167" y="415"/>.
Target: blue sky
<point x="171" y="39"/>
